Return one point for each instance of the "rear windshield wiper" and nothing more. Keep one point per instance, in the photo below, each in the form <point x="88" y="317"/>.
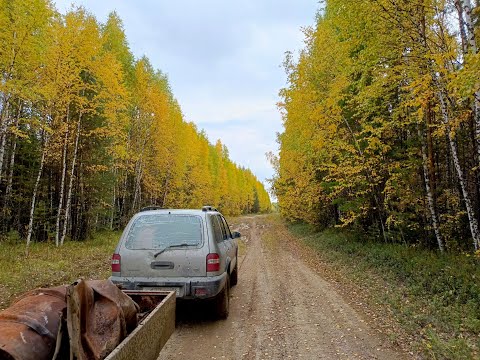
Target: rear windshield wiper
<point x="171" y="246"/>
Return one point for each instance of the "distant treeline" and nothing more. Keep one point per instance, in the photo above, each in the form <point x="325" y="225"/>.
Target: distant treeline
<point x="382" y="122"/>
<point x="89" y="134"/>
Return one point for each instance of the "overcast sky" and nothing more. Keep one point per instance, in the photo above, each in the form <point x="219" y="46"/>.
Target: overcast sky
<point x="223" y="59"/>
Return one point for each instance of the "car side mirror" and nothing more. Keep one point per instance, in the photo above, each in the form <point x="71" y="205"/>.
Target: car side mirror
<point x="236" y="235"/>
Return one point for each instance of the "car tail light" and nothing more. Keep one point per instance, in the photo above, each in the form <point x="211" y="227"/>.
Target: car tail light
<point x="213" y="262"/>
<point x="201" y="292"/>
<point x="116" y="263"/>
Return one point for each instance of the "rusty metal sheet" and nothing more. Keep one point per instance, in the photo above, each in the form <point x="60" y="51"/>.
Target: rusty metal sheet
<point x="28" y="329"/>
<point x="99" y="317"/>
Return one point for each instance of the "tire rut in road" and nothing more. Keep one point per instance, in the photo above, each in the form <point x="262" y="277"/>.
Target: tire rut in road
<point x="262" y="324"/>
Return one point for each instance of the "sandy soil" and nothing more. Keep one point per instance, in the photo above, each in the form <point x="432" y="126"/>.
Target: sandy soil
<point x="280" y="309"/>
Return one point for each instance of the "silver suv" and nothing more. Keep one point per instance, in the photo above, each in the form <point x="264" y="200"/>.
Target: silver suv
<point x="191" y="252"/>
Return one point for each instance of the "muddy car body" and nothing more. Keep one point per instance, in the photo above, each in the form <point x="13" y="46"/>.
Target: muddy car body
<point x="191" y="252"/>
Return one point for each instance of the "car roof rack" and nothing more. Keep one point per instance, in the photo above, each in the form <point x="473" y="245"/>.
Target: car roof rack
<point x="153" y="207"/>
<point x="208" y="208"/>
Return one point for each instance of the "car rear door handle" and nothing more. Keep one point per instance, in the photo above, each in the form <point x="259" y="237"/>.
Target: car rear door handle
<point x="162" y="265"/>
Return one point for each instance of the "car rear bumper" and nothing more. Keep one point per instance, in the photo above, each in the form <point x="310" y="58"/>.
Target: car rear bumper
<point x="185" y="287"/>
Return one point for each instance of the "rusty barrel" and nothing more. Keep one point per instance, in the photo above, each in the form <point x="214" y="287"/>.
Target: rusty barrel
<point x="28" y="329"/>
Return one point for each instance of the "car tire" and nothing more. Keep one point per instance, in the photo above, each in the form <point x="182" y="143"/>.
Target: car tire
<point x="223" y="301"/>
<point x="234" y="276"/>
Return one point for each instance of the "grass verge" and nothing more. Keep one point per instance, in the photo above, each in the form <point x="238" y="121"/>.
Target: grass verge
<point x="434" y="297"/>
<point x="48" y="265"/>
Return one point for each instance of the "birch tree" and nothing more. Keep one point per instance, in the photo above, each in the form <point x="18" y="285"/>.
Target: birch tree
<point x="89" y="134"/>
<point x="383" y="131"/>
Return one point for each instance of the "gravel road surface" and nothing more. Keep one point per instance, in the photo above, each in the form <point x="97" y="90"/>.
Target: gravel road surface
<point x="280" y="309"/>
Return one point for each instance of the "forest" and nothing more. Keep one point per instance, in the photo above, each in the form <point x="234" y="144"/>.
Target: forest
<point x="381" y="120"/>
<point x="89" y="134"/>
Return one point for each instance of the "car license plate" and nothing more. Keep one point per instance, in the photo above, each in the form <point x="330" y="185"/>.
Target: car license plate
<point x="176" y="289"/>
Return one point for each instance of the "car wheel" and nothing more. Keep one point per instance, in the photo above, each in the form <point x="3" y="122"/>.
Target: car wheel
<point x="223" y="301"/>
<point x="234" y="276"/>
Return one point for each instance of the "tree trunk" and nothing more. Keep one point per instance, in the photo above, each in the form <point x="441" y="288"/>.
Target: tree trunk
<point x="461" y="25"/>
<point x="122" y="206"/>
<point x="3" y="136"/>
<point x="5" y="108"/>
<point x="62" y="184"/>
<point x="70" y="184"/>
<point x="165" y="192"/>
<point x="34" y="196"/>
<point x="8" y="190"/>
<point x="2" y="151"/>
<point x="138" y="183"/>
<point x="83" y="206"/>
<point x="114" y="198"/>
<point x="473" y="48"/>
<point x="460" y="175"/>
<point x="7" y="216"/>
<point x="430" y="152"/>
<point x="467" y="10"/>
<point x="430" y="198"/>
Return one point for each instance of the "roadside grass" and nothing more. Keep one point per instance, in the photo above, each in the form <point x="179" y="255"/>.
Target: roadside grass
<point x="48" y="265"/>
<point x="434" y="297"/>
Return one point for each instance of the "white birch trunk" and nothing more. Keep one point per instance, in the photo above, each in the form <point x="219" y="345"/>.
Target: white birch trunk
<point x="461" y="177"/>
<point x="62" y="186"/>
<point x="476" y="112"/>
<point x="123" y="193"/>
<point x="8" y="190"/>
<point x="473" y="48"/>
<point x="138" y="182"/>
<point x="112" y="218"/>
<point x="461" y="26"/>
<point x="139" y="172"/>
<point x="2" y="151"/>
<point x="165" y="190"/>
<point x="5" y="109"/>
<point x="467" y="10"/>
<point x="34" y="196"/>
<point x="70" y="184"/>
<point x="431" y="203"/>
<point x="135" y="182"/>
<point x="3" y="137"/>
<point x="114" y="199"/>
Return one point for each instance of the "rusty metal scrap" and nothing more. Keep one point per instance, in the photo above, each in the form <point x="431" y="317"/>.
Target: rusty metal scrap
<point x="28" y="329"/>
<point x="99" y="317"/>
<point x="97" y="314"/>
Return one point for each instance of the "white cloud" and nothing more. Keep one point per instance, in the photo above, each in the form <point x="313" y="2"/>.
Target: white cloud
<point x="208" y="110"/>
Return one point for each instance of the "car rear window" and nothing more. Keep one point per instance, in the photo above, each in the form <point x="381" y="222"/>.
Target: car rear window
<point x="159" y="231"/>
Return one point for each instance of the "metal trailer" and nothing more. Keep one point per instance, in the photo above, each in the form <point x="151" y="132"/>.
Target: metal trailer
<point x="153" y="331"/>
<point x="86" y="320"/>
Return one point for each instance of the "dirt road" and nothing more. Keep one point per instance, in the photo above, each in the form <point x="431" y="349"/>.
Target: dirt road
<point x="280" y="309"/>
